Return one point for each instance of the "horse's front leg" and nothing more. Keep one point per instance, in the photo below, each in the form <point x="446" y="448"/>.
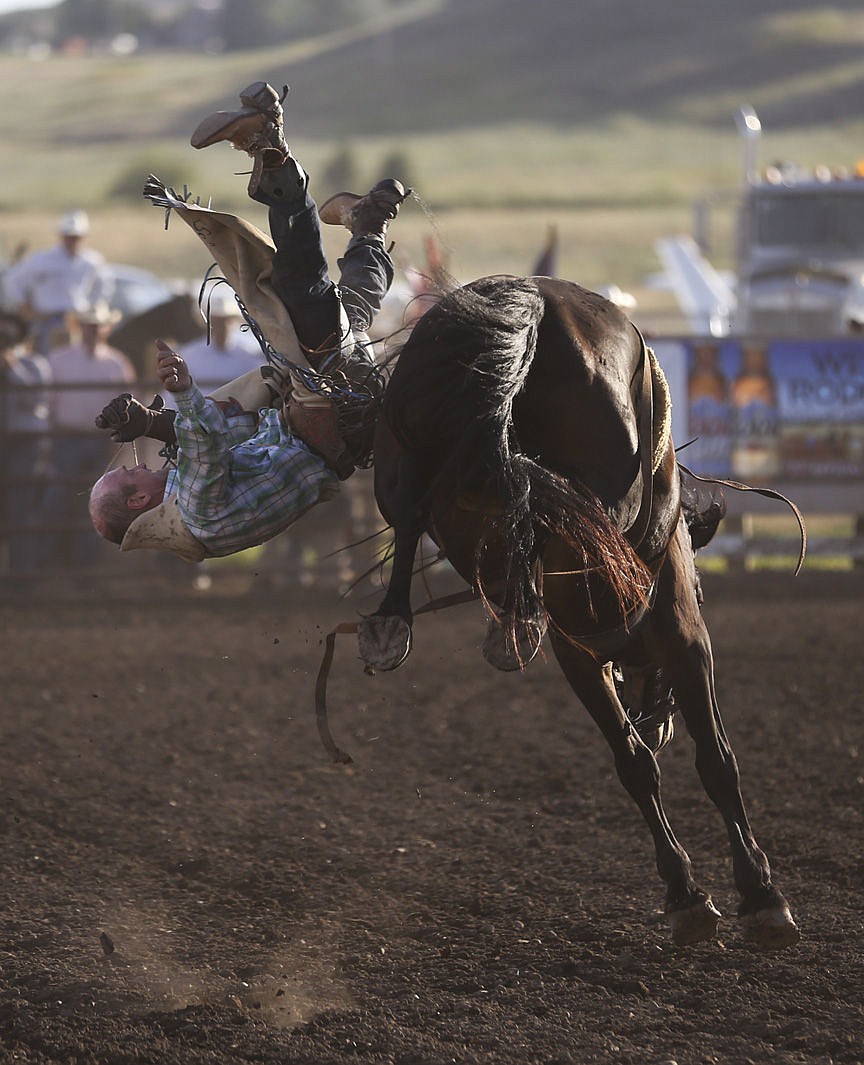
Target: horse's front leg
<point x="692" y="915"/>
<point x="765" y="916"/>
<point x="384" y="638"/>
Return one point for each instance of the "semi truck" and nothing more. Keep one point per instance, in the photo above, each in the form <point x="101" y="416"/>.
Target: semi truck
<point x="799" y="255"/>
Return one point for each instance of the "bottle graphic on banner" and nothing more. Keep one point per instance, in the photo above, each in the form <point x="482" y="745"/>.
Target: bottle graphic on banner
<point x="756" y="446"/>
<point x="708" y="414"/>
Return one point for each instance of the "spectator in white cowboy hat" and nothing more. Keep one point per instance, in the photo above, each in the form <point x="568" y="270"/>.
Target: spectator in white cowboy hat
<point x="45" y="286"/>
<point x="88" y="360"/>
<point x="86" y="374"/>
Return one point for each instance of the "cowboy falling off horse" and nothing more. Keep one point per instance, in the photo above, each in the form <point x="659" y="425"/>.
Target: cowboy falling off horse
<point x="256" y="455"/>
<point x="525" y="428"/>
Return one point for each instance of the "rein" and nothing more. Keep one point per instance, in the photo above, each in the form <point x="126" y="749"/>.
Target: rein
<point x="467" y="595"/>
<point x="768" y="493"/>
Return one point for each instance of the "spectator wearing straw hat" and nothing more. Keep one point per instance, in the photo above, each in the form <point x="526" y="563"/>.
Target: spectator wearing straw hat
<point x="86" y="374"/>
<point x="45" y="286"/>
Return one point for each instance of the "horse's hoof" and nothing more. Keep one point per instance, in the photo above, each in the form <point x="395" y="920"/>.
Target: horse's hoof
<point x="773" y="928"/>
<point x="695" y="924"/>
<point x="500" y="652"/>
<point x="384" y="641"/>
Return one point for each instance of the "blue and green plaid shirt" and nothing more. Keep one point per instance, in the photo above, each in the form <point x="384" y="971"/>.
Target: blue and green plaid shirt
<point x="241" y="478"/>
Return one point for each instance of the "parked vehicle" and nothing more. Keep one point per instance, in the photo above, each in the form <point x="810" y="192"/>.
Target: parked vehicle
<point x="137" y="290"/>
<point x="799" y="253"/>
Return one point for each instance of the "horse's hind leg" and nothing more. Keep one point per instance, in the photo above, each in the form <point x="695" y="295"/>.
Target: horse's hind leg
<point x="692" y="914"/>
<point x="765" y="915"/>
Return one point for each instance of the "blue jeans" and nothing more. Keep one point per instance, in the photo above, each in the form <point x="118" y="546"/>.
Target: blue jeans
<point x="302" y="281"/>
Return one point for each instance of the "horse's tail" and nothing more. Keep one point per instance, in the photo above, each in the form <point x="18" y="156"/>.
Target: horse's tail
<point x="604" y="563"/>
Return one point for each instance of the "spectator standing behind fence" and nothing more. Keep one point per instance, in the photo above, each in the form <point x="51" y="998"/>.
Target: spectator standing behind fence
<point x="46" y="286"/>
<point x="229" y="353"/>
<point x="86" y="374"/>
<point x="25" y="448"/>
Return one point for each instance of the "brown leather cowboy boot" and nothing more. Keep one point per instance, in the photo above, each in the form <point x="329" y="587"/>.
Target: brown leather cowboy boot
<point x="365" y="215"/>
<point x="256" y="128"/>
<point x="318" y="428"/>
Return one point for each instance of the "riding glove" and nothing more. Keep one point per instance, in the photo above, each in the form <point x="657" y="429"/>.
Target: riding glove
<point x="128" y="419"/>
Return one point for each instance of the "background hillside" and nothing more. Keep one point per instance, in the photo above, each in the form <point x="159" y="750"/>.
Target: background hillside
<point x="606" y="118"/>
<point x="494" y="61"/>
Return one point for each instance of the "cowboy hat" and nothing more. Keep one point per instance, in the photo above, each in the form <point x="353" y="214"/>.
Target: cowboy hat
<point x="74" y="224"/>
<point x="99" y="313"/>
<point x="221" y="303"/>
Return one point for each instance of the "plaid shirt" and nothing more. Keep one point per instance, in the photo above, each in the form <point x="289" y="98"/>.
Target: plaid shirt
<point x="239" y="480"/>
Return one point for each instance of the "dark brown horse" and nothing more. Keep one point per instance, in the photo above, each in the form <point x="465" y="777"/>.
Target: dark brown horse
<point x="517" y="433"/>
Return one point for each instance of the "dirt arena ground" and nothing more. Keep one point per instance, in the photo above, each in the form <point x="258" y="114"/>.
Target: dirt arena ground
<point x="187" y="878"/>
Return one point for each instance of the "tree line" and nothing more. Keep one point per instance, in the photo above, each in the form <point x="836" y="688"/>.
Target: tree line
<point x="239" y="23"/>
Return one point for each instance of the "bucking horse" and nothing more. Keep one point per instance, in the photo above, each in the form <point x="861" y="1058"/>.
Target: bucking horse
<point x="525" y="429"/>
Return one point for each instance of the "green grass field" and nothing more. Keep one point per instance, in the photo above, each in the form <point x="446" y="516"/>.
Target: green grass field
<point x="72" y="129"/>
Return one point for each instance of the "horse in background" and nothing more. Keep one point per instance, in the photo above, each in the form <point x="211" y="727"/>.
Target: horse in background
<point x="177" y="321"/>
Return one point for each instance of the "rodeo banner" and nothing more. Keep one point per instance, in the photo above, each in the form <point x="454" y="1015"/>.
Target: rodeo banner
<point x="759" y="410"/>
